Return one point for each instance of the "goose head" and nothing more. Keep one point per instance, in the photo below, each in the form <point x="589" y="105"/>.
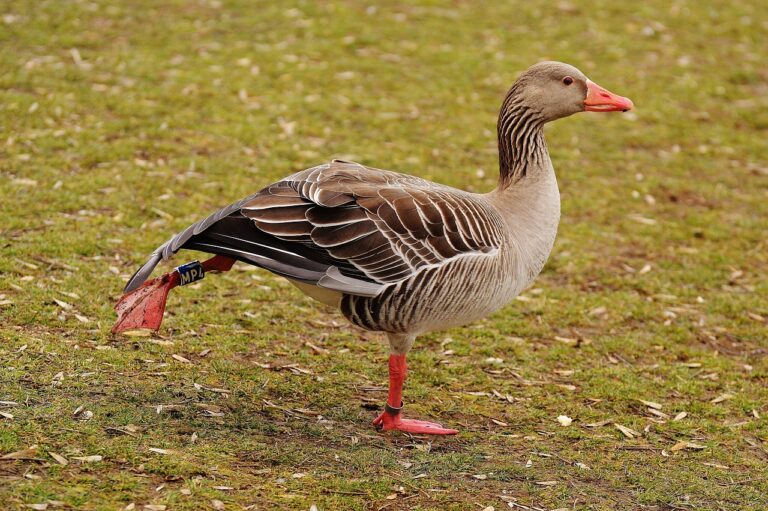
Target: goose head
<point x="556" y="90"/>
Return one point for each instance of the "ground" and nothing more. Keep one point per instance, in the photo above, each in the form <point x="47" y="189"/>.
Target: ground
<point x="123" y="122"/>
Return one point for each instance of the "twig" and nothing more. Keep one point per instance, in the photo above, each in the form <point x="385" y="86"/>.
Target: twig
<point x="327" y="490"/>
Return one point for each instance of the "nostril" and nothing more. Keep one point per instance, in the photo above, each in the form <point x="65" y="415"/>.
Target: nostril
<point x="605" y="95"/>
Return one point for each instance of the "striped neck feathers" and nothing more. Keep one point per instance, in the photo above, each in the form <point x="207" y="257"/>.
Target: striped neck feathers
<point x="522" y="149"/>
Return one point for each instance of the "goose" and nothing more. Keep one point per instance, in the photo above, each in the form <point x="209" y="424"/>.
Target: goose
<point x="395" y="253"/>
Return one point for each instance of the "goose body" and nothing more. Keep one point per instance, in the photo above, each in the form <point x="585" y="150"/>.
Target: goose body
<point x="397" y="253"/>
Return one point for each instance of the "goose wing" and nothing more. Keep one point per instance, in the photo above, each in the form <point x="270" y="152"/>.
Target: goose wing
<point x="345" y="227"/>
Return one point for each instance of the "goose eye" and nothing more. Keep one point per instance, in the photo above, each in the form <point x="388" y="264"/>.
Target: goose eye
<point x="567" y="80"/>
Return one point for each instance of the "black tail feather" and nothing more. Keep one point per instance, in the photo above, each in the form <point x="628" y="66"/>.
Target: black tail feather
<point x="237" y="237"/>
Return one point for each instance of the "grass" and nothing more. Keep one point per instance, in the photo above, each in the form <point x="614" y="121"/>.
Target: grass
<point x="123" y="122"/>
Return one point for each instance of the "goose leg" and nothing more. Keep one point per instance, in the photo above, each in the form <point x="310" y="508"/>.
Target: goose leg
<point x="391" y="417"/>
<point x="144" y="307"/>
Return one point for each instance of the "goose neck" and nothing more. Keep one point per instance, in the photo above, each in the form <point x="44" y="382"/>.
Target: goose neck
<point x="522" y="149"/>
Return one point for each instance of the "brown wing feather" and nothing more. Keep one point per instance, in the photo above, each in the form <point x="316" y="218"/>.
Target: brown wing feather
<point x="385" y="224"/>
<point x="343" y="226"/>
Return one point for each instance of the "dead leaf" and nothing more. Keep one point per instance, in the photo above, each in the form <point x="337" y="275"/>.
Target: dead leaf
<point x="217" y="504"/>
<point x="61" y="460"/>
<point x="721" y="398"/>
<point x="481" y="477"/>
<point x="161" y="451"/>
<point x="651" y="404"/>
<point x="546" y="483"/>
<point x="84" y="415"/>
<point x="679" y="446"/>
<point x="627" y="432"/>
<point x="62" y="304"/>
<point x="567" y="340"/>
<point x="680" y="416"/>
<point x="598" y="311"/>
<point x="564" y="420"/>
<point x="143" y="332"/>
<point x="181" y="359"/>
<point x="642" y="220"/>
<point x="599" y="424"/>
<point x="210" y="410"/>
<point x="128" y="429"/>
<point x="88" y="459"/>
<point x="161" y="213"/>
<point x="317" y="349"/>
<point x="24" y="454"/>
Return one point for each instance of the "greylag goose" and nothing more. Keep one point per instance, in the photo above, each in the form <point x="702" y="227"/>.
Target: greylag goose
<point x="396" y="253"/>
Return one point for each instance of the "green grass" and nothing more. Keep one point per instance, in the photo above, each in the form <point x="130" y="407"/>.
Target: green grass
<point x="123" y="122"/>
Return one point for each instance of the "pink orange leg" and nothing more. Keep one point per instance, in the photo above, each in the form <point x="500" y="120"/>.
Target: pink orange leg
<point x="144" y="307"/>
<point x="391" y="417"/>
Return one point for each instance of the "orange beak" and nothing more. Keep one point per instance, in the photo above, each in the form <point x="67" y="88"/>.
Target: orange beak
<point x="601" y="100"/>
